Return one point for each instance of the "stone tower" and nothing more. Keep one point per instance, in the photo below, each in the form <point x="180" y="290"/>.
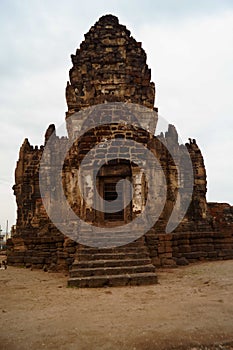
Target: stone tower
<point x="110" y="71"/>
<point x="110" y="65"/>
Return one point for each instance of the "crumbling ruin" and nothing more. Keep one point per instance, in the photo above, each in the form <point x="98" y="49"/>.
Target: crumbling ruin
<point x="110" y="67"/>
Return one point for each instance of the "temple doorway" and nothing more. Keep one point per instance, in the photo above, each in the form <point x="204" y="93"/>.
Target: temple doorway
<point x="116" y="193"/>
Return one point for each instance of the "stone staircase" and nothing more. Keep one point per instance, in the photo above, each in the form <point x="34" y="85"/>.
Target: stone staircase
<point x="121" y="266"/>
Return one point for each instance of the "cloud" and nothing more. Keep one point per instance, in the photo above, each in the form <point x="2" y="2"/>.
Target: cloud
<point x="192" y="69"/>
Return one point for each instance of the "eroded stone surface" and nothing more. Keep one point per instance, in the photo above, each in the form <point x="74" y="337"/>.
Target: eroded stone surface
<point x="110" y="66"/>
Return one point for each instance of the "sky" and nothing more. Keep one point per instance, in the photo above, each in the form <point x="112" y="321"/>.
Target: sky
<point x="189" y="46"/>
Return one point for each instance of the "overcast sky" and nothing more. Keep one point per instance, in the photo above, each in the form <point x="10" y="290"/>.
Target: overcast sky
<point x="189" y="45"/>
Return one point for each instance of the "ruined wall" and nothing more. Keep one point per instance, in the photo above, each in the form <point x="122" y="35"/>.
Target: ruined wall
<point x="36" y="241"/>
<point x="26" y="188"/>
<point x="182" y="248"/>
<point x="221" y="217"/>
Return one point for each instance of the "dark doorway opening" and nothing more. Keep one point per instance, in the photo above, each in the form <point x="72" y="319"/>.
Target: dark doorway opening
<point x="111" y="195"/>
<point x="111" y="190"/>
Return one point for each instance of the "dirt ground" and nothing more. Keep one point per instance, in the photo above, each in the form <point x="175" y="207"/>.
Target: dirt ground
<point x="190" y="308"/>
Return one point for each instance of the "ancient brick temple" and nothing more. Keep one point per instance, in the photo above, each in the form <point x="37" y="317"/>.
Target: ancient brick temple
<point x="110" y="69"/>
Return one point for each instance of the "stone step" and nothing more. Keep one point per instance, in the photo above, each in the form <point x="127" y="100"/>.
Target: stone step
<point x="109" y="263"/>
<point x="97" y="244"/>
<point x="111" y="239"/>
<point x="128" y="264"/>
<point x="105" y="242"/>
<point x="110" y="256"/>
<point x="123" y="249"/>
<point x="134" y="279"/>
<point x="130" y="246"/>
<point x="118" y="270"/>
<point x="109" y="234"/>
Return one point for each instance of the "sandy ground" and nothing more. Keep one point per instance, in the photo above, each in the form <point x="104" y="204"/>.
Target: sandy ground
<point x="191" y="306"/>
